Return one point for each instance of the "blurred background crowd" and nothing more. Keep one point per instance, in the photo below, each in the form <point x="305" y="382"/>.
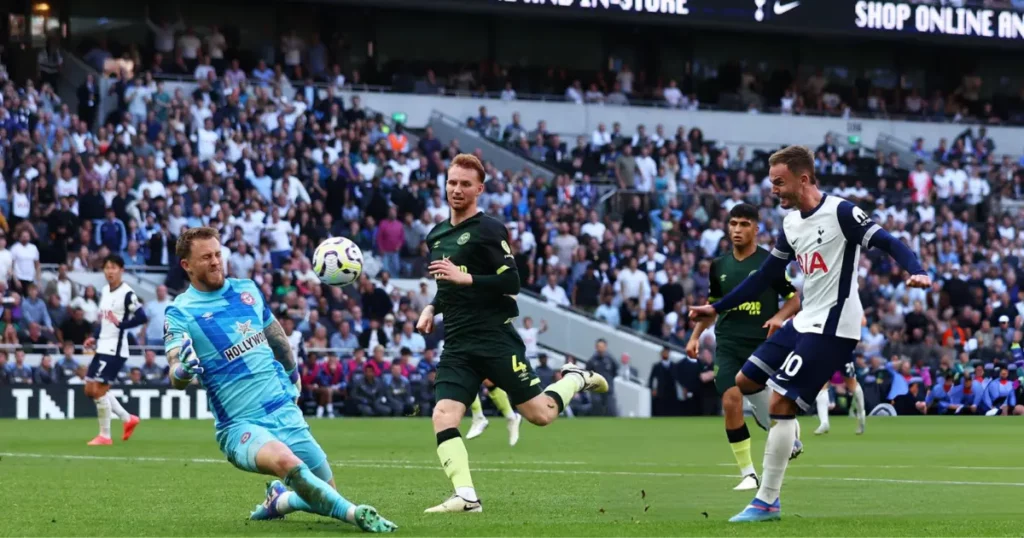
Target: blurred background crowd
<point x="263" y="135"/>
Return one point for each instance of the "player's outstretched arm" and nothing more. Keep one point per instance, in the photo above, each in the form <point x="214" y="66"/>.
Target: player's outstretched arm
<point x="859" y="228"/>
<point x="774" y="267"/>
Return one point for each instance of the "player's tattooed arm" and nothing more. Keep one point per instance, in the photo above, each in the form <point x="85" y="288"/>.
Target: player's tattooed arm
<point x="278" y="342"/>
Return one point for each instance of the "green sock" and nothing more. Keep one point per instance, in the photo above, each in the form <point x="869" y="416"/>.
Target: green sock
<point x="564" y="389"/>
<point x="500" y="399"/>
<point x="455" y="461"/>
<point x="739" y="441"/>
<point x="477" y="408"/>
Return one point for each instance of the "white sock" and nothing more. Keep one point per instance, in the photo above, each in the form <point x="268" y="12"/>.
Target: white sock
<point x="759" y="404"/>
<point x="797" y="428"/>
<point x="283" y="503"/>
<point x="468" y="494"/>
<point x="777" y="450"/>
<point x="103" y="413"/>
<point x="479" y="415"/>
<point x="822" y="401"/>
<point x="117" y="408"/>
<point x="319" y="411"/>
<point x="858" y="401"/>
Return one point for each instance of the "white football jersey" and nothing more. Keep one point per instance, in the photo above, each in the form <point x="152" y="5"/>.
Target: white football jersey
<point x="118" y="304"/>
<point x="826" y="243"/>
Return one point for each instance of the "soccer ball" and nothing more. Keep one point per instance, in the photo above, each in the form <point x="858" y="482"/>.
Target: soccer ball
<point x="337" y="261"/>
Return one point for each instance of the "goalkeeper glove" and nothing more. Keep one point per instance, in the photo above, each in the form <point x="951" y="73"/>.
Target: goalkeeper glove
<point x="189" y="366"/>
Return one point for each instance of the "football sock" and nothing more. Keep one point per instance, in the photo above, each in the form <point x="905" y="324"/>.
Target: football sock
<point x="821" y="401"/>
<point x="739" y="441"/>
<point x="564" y="389"/>
<point x="776" y="456"/>
<point x="759" y="406"/>
<point x="103" y="413"/>
<point x="311" y="494"/>
<point x="858" y="401"/>
<point x="117" y="408"/>
<point x="500" y="399"/>
<point x="455" y="461"/>
<point x="477" y="408"/>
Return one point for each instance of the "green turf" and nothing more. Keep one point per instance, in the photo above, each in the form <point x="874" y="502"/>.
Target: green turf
<point x="592" y="477"/>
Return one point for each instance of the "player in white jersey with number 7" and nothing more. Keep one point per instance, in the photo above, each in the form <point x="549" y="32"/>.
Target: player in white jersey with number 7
<point x="119" y="311"/>
<point x="824" y="234"/>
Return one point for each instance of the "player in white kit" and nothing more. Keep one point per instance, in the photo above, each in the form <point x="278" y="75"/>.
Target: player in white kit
<point x="119" y="311"/>
<point x="824" y="234"/>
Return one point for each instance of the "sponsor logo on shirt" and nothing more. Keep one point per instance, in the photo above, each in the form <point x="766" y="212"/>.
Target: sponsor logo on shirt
<point x="245" y="346"/>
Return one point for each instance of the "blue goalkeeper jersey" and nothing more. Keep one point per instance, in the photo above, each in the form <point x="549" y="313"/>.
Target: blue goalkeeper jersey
<point x="242" y="379"/>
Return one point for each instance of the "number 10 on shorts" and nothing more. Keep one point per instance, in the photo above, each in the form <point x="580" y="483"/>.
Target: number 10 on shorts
<point x="792" y="365"/>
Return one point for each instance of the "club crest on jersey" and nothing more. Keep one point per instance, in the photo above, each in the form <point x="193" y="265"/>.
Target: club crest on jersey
<point x="248" y="299"/>
<point x="811" y="262"/>
<point x="463" y="239"/>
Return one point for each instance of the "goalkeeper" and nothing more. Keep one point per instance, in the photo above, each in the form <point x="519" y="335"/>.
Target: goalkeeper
<point x="222" y="332"/>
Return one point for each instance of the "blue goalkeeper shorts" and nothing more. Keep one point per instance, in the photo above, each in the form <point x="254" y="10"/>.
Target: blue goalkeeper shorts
<point x="241" y="441"/>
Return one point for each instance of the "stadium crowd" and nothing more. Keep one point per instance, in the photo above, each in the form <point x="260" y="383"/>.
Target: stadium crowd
<point x="180" y="50"/>
<point x="277" y="174"/>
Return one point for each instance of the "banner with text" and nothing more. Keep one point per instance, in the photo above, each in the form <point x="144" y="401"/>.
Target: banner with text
<point x="67" y="402"/>
<point x="961" y="19"/>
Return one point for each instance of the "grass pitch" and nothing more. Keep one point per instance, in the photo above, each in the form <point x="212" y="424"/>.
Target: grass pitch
<point x="925" y="476"/>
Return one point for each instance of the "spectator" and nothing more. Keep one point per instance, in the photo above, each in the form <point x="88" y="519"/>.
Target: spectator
<point x="135" y="378"/>
<point x="665" y="401"/>
<point x="553" y="292"/>
<point x="45" y="373"/>
<point x="425" y="394"/>
<point x="544" y="372"/>
<point x="153" y="373"/>
<point x="67" y="365"/>
<point x="34" y="310"/>
<point x="999" y="397"/>
<point x="369" y="395"/>
<point x="76" y="329"/>
<point x="331" y="382"/>
<point x="153" y="330"/>
<point x="410" y="339"/>
<point x="390" y="237"/>
<point x="25" y="256"/>
<point x="20" y="373"/>
<point x="602" y="363"/>
<point x="399" y="393"/>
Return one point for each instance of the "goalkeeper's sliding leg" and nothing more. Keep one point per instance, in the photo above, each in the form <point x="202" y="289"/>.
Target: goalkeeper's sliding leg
<point x="306" y="482"/>
<point x="536" y="406"/>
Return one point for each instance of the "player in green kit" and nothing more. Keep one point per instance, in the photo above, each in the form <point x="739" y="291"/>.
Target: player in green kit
<point x="738" y="332"/>
<point x="477" y="283"/>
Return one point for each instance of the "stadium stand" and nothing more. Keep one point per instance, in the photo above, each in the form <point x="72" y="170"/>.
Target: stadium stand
<point x="618" y="224"/>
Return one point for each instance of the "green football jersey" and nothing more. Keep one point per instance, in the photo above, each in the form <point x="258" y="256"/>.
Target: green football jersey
<point x="745" y="322"/>
<point x="478" y="246"/>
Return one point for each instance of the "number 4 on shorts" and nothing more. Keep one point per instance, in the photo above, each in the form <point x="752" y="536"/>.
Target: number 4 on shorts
<point x="518" y="366"/>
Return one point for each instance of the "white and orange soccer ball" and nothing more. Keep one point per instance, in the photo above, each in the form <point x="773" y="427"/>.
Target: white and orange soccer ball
<point x="337" y="261"/>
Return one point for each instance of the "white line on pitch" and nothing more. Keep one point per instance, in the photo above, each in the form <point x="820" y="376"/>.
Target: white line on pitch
<point x="382" y="464"/>
<point x="669" y="465"/>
